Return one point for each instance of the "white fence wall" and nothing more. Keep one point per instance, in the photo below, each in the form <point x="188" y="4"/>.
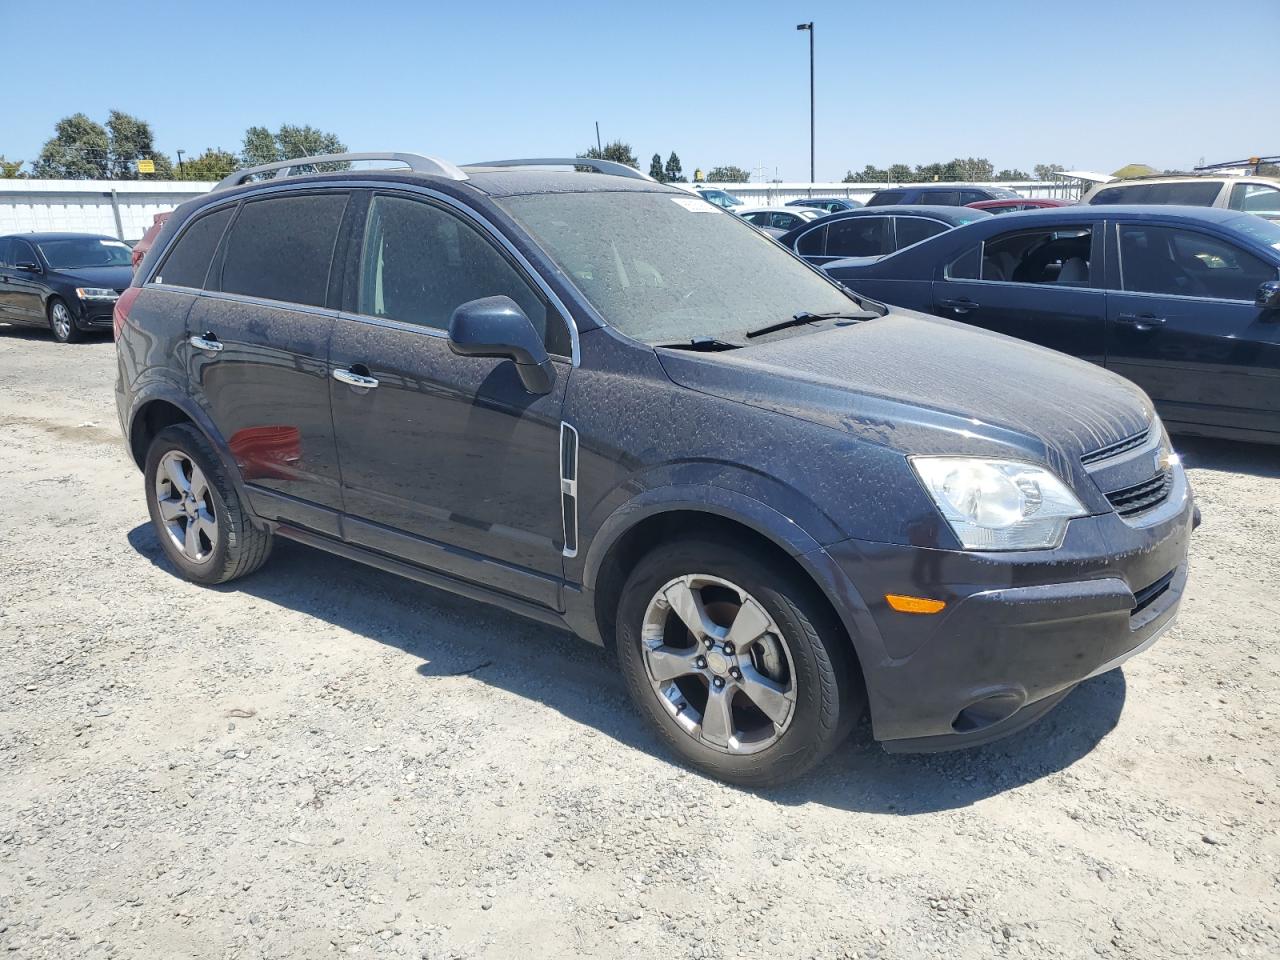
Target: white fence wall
<point x="116" y="208"/>
<point x="125" y="208"/>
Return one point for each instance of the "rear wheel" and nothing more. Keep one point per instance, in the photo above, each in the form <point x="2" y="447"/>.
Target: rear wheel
<point x="61" y="322"/>
<point x="740" y="665"/>
<point x="198" y="517"/>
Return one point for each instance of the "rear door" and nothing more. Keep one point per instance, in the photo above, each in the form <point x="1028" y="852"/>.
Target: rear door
<point x="6" y="269"/>
<point x="25" y="287"/>
<point x="1183" y="325"/>
<point x="1042" y="284"/>
<point x="447" y="461"/>
<point x="258" y="351"/>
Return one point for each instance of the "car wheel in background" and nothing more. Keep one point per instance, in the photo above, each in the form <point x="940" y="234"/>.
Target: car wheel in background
<point x="61" y="322"/>
<point x="201" y="524"/>
<point x="741" y="666"/>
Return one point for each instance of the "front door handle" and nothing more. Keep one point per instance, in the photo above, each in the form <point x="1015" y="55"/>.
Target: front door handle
<point x="208" y="342"/>
<point x="960" y="304"/>
<point x="1143" y="322"/>
<point x="353" y="379"/>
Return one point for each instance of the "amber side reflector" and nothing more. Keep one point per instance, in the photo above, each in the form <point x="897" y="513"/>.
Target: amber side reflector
<point x="914" y="604"/>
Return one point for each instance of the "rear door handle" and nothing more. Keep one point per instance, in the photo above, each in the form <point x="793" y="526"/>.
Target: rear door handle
<point x="207" y="342"/>
<point x="960" y="304"/>
<point x="353" y="379"/>
<point x="1143" y="322"/>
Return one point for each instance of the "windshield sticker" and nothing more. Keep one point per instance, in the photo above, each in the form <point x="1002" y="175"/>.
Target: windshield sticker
<point x="694" y="206"/>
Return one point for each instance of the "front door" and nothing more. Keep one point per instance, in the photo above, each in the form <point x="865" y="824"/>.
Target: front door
<point x="1042" y="285"/>
<point x="448" y="460"/>
<point x="1183" y="325"/>
<point x="258" y="352"/>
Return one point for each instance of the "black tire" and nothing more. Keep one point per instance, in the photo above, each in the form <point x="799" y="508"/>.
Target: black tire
<point x="828" y="691"/>
<point x="64" y="331"/>
<point x="241" y="546"/>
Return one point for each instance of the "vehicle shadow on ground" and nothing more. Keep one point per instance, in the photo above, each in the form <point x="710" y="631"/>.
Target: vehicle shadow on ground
<point x="453" y="636"/>
<point x="1229" y="456"/>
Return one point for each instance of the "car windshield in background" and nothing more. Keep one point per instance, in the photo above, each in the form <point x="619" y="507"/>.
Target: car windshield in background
<point x="1257" y="228"/>
<point x="85" y="252"/>
<point x="665" y="268"/>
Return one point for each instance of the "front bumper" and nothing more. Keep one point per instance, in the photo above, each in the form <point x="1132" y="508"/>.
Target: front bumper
<point x="1019" y="630"/>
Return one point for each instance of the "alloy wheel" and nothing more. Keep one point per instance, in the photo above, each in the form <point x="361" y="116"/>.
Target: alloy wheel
<point x="719" y="664"/>
<point x="185" y="503"/>
<point x="61" y="321"/>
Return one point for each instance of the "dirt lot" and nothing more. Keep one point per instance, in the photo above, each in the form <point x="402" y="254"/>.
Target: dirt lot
<point x="327" y="759"/>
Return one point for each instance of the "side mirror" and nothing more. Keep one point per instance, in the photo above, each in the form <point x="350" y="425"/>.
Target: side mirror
<point x="1269" y="295"/>
<point x="497" y="327"/>
<point x="28" y="266"/>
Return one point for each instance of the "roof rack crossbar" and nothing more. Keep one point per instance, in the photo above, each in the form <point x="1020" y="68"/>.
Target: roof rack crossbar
<point x="600" y="166"/>
<point x="414" y="161"/>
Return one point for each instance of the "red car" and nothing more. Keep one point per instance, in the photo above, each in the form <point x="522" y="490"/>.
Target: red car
<point x="142" y="246"/>
<point x="1022" y="203"/>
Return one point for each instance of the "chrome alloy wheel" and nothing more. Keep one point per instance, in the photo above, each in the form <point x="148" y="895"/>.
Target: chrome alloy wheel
<point x="61" y="320"/>
<point x="719" y="664"/>
<point x="185" y="503"/>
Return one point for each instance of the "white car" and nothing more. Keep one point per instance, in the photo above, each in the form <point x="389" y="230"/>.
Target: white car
<point x="776" y="221"/>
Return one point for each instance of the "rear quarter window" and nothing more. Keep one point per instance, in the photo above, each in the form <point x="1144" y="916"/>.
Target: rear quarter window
<point x="187" y="263"/>
<point x="886" y="197"/>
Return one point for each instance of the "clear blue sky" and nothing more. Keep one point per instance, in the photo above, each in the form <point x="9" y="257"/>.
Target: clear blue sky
<point x="1088" y="84"/>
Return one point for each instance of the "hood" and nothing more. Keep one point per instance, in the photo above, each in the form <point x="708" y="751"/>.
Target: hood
<point x="117" y="278"/>
<point x="920" y="384"/>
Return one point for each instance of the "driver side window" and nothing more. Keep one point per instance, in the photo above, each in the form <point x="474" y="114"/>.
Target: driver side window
<point x="420" y="263"/>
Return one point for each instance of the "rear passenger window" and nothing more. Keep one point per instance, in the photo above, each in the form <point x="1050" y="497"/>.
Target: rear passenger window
<point x="941" y="198"/>
<point x="858" y="237"/>
<point x="1059" y="256"/>
<point x="886" y="197"/>
<point x="971" y="196"/>
<point x="914" y="229"/>
<point x="281" y="248"/>
<point x="187" y="262"/>
<point x="420" y="263"/>
<point x="967" y="266"/>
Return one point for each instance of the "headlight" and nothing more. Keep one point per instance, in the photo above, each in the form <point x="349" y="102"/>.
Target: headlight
<point x="999" y="504"/>
<point x="96" y="293"/>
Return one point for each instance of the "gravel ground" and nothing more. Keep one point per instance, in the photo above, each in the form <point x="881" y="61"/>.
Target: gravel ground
<point x="327" y="759"/>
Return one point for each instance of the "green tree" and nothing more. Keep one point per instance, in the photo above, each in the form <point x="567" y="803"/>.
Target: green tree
<point x="1048" y="171"/>
<point x="214" y="164"/>
<point x="673" y="171"/>
<point x="1013" y="174"/>
<point x="288" y="143"/>
<point x="11" y="169"/>
<point x="259" y="147"/>
<point x="1269" y="170"/>
<point x="655" y="168"/>
<point x="728" y="174"/>
<point x="617" y="151"/>
<point x="131" y="140"/>
<point x="78" y="150"/>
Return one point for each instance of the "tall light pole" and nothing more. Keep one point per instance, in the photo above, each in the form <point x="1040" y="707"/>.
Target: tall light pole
<point x="809" y="27"/>
<point x="181" y="169"/>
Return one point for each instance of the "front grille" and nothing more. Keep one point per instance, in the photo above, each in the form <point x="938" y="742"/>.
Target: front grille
<point x="1148" y="595"/>
<point x="1141" y="497"/>
<point x="1119" y="446"/>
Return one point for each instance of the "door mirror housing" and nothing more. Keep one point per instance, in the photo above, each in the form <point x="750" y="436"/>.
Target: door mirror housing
<point x="1269" y="295"/>
<point x="29" y="266"/>
<point x="497" y="327"/>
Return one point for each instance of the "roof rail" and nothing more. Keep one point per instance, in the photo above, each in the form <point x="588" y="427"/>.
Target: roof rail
<point x="1254" y="162"/>
<point x="600" y="166"/>
<point x="415" y="162"/>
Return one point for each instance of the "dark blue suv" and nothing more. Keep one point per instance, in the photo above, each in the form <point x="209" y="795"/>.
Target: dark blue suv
<point x="603" y="403"/>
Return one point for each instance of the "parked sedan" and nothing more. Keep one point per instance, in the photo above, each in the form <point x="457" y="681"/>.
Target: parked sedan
<point x="1006" y="205"/>
<point x="939" y="195"/>
<point x="826" y="204"/>
<point x="68" y="282"/>
<point x="873" y="231"/>
<point x="1184" y="301"/>
<point x="776" y="221"/>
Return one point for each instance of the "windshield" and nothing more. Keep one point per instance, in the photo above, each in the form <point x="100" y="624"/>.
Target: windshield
<point x="664" y="268"/>
<point x="85" y="252"/>
<point x="1257" y="228"/>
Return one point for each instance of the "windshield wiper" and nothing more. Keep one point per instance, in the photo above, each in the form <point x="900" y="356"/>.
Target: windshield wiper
<point x="702" y="344"/>
<point x="804" y="316"/>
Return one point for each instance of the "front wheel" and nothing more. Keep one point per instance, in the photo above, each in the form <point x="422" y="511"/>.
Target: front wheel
<point x="61" y="323"/>
<point x="740" y="665"/>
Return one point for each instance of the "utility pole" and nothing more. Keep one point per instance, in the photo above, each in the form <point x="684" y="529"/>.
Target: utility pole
<point x="181" y="169"/>
<point x="809" y="28"/>
<point x="599" y="148"/>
